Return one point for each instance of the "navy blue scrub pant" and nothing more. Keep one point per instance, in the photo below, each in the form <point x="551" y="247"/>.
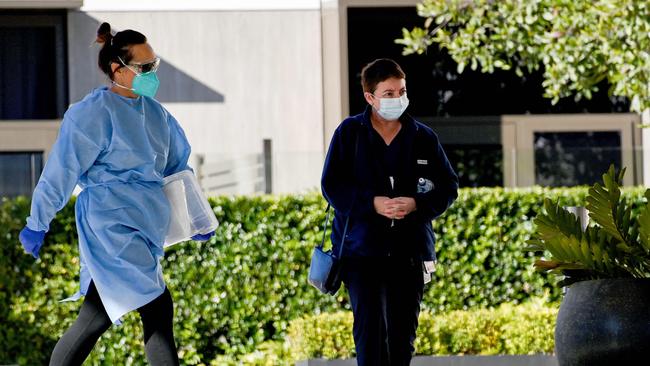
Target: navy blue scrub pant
<point x="385" y="294"/>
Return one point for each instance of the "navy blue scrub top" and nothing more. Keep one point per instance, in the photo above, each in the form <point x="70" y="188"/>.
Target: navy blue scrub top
<point x="357" y="169"/>
<point x="388" y="160"/>
<point x="388" y="155"/>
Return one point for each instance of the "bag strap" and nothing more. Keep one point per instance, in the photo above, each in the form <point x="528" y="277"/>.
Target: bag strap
<point x="325" y="226"/>
<point x="345" y="231"/>
<point x="347" y="220"/>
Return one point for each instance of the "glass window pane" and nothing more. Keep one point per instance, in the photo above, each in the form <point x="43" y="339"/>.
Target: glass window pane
<point x="575" y="158"/>
<point x="33" y="59"/>
<point x="28" y="73"/>
<point x="19" y="173"/>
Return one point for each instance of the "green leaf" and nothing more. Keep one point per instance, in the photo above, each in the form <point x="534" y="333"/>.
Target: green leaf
<point x="577" y="43"/>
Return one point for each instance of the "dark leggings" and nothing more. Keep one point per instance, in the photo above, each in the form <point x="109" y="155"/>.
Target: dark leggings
<point x="157" y="318"/>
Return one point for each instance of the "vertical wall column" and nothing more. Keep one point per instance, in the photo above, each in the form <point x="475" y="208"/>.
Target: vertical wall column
<point x="334" y="54"/>
<point x="645" y="146"/>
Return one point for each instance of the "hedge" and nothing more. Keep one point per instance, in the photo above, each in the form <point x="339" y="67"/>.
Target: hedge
<point x="243" y="287"/>
<point x="507" y="330"/>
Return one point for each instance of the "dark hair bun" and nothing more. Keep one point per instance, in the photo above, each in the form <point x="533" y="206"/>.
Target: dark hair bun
<point x="116" y="49"/>
<point x="104" y="33"/>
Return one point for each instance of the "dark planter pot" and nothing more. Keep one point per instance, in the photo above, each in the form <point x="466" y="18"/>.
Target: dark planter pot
<point x="604" y="322"/>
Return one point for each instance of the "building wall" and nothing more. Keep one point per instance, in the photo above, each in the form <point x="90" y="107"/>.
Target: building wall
<point x="335" y="56"/>
<point x="235" y="72"/>
<point x="232" y="78"/>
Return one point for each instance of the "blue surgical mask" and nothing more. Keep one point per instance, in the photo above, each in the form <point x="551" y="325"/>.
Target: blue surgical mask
<point x="391" y="109"/>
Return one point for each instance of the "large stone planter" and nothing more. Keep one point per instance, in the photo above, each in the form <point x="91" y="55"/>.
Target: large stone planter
<point x="604" y="322"/>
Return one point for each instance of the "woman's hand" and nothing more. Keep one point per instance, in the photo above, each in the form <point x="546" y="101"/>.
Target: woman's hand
<point x="203" y="237"/>
<point x="394" y="208"/>
<point x="383" y="206"/>
<point x="402" y="206"/>
<point x="31" y="240"/>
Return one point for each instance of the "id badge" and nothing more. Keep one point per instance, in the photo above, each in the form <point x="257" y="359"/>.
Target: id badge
<point x="428" y="267"/>
<point x="427" y="277"/>
<point x="424" y="185"/>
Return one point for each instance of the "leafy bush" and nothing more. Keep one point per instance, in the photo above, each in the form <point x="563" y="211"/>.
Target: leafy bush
<point x="508" y="329"/>
<point x="269" y="353"/>
<point x="230" y="294"/>
<point x="616" y="245"/>
<point x="322" y="336"/>
<point x="244" y="286"/>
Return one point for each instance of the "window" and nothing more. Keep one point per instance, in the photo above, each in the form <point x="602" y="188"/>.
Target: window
<point x="473" y="147"/>
<point x="570" y="149"/>
<point x="575" y="158"/>
<point x="19" y="172"/>
<point x="33" y="77"/>
<point x="33" y="94"/>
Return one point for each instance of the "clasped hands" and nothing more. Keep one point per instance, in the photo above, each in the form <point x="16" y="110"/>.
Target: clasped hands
<point x="394" y="208"/>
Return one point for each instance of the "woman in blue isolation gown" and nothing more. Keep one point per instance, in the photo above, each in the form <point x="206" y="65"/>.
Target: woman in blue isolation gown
<point x="117" y="144"/>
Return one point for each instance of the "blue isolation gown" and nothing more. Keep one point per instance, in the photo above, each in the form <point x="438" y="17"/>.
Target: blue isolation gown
<point x="117" y="150"/>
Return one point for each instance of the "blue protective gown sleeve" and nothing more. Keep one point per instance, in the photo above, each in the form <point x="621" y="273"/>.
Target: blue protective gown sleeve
<point x="179" y="148"/>
<point x="73" y="153"/>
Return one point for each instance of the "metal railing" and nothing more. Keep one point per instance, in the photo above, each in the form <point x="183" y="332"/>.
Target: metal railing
<point x="246" y="174"/>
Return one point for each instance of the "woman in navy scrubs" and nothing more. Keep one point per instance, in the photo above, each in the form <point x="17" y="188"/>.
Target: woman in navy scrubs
<point x="388" y="173"/>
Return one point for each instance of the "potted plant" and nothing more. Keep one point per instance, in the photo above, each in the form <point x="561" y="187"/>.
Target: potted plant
<point x="604" y="318"/>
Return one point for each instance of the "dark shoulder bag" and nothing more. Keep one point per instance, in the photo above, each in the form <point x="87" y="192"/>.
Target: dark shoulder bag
<point x="325" y="268"/>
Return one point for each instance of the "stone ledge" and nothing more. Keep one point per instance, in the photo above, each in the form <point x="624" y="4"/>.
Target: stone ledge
<point x="523" y="360"/>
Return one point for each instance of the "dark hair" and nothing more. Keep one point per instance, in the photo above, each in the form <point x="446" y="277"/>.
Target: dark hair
<point x="116" y="46"/>
<point x="379" y="70"/>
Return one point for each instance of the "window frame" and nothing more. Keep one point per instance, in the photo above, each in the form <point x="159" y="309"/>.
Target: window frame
<point x="517" y="136"/>
<point x="34" y="136"/>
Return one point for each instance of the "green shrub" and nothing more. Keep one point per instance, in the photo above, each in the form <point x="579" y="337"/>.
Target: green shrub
<point x="506" y="330"/>
<point x="322" y="336"/>
<point x="270" y="353"/>
<point x="243" y="287"/>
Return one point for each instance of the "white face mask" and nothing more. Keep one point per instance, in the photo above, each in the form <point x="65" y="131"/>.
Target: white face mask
<point x="391" y="109"/>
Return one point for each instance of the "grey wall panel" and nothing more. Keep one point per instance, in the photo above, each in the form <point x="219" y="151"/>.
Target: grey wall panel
<point x="231" y="78"/>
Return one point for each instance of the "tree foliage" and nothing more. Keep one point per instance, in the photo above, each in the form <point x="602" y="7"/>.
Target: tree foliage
<point x="577" y="43"/>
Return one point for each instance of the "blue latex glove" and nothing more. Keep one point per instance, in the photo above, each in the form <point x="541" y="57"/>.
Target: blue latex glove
<point x="203" y="237"/>
<point x="31" y="240"/>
